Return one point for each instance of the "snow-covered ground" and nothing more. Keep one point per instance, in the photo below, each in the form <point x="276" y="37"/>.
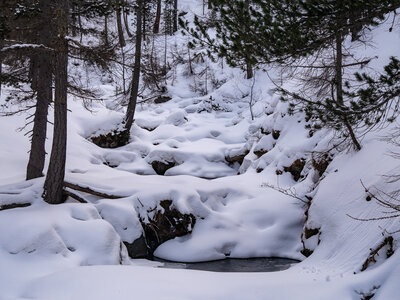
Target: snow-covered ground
<point x="75" y="251"/>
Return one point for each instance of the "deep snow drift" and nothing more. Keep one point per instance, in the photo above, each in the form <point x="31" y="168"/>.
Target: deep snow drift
<point x="223" y="163"/>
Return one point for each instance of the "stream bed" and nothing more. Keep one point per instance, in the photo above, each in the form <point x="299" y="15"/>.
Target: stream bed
<point x="266" y="264"/>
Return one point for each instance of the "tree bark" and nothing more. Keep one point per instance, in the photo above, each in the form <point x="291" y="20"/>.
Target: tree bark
<point x="130" y="112"/>
<point x="156" y="27"/>
<point x="121" y="37"/>
<point x="175" y="17"/>
<point x="53" y="187"/>
<point x="42" y="79"/>
<point x="339" y="82"/>
<point x="249" y="67"/>
<point x="127" y="24"/>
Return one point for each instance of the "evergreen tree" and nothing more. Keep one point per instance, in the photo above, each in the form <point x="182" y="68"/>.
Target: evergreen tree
<point x="288" y="32"/>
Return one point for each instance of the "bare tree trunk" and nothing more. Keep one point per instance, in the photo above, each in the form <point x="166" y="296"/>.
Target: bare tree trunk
<point x="42" y="79"/>
<point x="249" y="70"/>
<point x="130" y="112"/>
<point x="121" y="37"/>
<point x="339" y="84"/>
<point x="37" y="154"/>
<point x="1" y="64"/>
<point x="175" y="18"/>
<point x="249" y="67"/>
<point x="53" y="186"/>
<point x="127" y="24"/>
<point x="144" y="23"/>
<point x="106" y="41"/>
<point x="156" y="27"/>
<point x="209" y="4"/>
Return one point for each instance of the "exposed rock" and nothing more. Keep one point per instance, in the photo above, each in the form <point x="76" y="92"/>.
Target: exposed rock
<point x="320" y="162"/>
<point x="238" y="157"/>
<point x="276" y="134"/>
<point x="162" y="167"/>
<point x="306" y="252"/>
<point x="138" y="249"/>
<point x="385" y="248"/>
<point x="162" y="99"/>
<point x="296" y="168"/>
<point x="113" y="139"/>
<point x="260" y="152"/>
<point x="165" y="225"/>
<point x="309" y="232"/>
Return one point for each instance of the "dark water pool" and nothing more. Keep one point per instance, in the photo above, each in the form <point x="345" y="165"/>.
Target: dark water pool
<point x="270" y="264"/>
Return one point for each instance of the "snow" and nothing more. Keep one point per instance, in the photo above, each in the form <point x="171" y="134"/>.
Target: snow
<point x="75" y="251"/>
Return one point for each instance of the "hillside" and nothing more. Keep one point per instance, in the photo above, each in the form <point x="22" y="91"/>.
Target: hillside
<point x="223" y="159"/>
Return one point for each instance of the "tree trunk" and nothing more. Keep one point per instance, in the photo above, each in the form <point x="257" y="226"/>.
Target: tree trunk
<point x="249" y="70"/>
<point x="37" y="154"/>
<point x="53" y="187"/>
<point x="1" y="65"/>
<point x="144" y="23"/>
<point x="175" y="17"/>
<point x="339" y="84"/>
<point x="105" y="32"/>
<point x="127" y="24"/>
<point x="130" y="112"/>
<point x="42" y="78"/>
<point x="121" y="38"/>
<point x="249" y="67"/>
<point x="156" y="27"/>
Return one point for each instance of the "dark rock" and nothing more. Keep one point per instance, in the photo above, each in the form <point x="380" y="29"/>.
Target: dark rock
<point x="306" y="252"/>
<point x="162" y="99"/>
<point x="162" y="167"/>
<point x="309" y="232"/>
<point x="260" y="152"/>
<point x="276" y="134"/>
<point x="138" y="249"/>
<point x="166" y="225"/>
<point x="237" y="158"/>
<point x="113" y="139"/>
<point x="296" y="168"/>
<point x="320" y="162"/>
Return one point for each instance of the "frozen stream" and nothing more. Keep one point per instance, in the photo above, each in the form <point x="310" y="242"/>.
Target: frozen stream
<point x="270" y="264"/>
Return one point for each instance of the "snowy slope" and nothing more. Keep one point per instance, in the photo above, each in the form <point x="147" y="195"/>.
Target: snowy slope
<point x="60" y="252"/>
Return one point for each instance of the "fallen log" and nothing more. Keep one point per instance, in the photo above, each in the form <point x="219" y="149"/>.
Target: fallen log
<point x="14" y="205"/>
<point x="90" y="191"/>
<point x="75" y="196"/>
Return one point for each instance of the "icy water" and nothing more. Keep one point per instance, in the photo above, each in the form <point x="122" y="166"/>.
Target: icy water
<point x="271" y="264"/>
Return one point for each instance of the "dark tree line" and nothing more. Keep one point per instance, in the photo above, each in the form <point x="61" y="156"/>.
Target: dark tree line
<point x="39" y="38"/>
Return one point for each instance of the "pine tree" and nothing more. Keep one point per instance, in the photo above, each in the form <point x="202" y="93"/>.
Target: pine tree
<point x="297" y="33"/>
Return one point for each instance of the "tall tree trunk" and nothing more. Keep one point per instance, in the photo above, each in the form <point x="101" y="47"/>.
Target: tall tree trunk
<point x="130" y="112"/>
<point x="121" y="37"/>
<point x="144" y="16"/>
<point x="249" y="67"/>
<point x="53" y="186"/>
<point x="128" y="31"/>
<point x="175" y="17"/>
<point x="1" y="65"/>
<point x="156" y="27"/>
<point x="105" y="31"/>
<point x="42" y="79"/>
<point x="339" y="83"/>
